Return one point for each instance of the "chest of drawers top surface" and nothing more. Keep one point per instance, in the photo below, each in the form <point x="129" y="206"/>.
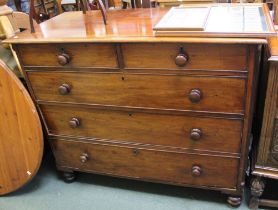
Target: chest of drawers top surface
<point x="126" y="26"/>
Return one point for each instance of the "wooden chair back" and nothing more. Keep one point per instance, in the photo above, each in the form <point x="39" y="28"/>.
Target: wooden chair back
<point x="84" y="4"/>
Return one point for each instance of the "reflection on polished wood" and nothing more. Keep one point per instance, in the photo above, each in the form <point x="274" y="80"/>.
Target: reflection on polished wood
<point x="122" y="25"/>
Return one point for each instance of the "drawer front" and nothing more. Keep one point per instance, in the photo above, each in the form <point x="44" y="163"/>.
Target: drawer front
<point x="147" y="128"/>
<point x="77" y="55"/>
<point x="151" y="91"/>
<point x="181" y="168"/>
<point x="197" y="56"/>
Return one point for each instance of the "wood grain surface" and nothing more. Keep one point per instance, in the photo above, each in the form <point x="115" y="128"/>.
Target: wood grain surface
<point x="200" y="56"/>
<point x="80" y="55"/>
<point x="219" y="94"/>
<point x="145" y="128"/>
<point x="136" y="26"/>
<point x="21" y="138"/>
<point x="146" y="164"/>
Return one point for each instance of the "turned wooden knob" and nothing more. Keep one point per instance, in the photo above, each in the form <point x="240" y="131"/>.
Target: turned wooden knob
<point x="196" y="171"/>
<point x="64" y="89"/>
<point x="84" y="157"/>
<point x="195" y="95"/>
<point x="74" y="122"/>
<point x="63" y="59"/>
<point x="181" y="59"/>
<point x="195" y="134"/>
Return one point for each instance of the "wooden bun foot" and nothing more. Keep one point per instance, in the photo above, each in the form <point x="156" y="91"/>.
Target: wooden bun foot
<point x="69" y="177"/>
<point x="234" y="201"/>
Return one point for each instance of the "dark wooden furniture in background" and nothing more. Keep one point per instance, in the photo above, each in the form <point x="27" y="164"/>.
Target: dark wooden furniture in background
<point x="117" y="100"/>
<point x="40" y="11"/>
<point x="45" y="9"/>
<point x="172" y="3"/>
<point x="21" y="139"/>
<point x="265" y="153"/>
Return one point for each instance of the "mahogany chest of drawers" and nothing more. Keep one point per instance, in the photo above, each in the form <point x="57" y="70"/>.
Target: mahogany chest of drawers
<point x="174" y="111"/>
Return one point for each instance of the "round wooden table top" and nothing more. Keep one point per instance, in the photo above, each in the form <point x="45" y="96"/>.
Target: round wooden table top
<point x="21" y="138"/>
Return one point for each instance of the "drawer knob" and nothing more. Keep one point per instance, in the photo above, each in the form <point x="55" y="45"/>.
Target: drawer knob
<point x="181" y="59"/>
<point x="84" y="157"/>
<point x="196" y="171"/>
<point x="74" y="122"/>
<point x="63" y="59"/>
<point x="195" y="95"/>
<point x="64" y="89"/>
<point x="195" y="134"/>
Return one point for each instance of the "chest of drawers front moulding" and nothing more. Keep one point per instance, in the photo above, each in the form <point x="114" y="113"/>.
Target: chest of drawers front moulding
<point x="169" y="110"/>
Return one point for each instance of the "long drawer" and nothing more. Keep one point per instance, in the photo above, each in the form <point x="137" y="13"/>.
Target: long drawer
<point x="181" y="131"/>
<point x="185" y="56"/>
<point x="197" y="93"/>
<point x="145" y="164"/>
<point x="69" y="55"/>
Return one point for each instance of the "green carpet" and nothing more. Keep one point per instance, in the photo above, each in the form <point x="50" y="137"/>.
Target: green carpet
<point x="48" y="192"/>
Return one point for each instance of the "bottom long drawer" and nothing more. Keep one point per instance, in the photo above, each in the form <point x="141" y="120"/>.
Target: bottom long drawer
<point x="147" y="164"/>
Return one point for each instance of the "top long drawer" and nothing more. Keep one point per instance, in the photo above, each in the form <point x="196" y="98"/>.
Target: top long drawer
<point x="69" y="55"/>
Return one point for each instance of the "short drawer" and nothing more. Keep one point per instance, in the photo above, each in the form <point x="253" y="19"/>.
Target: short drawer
<point x="185" y="56"/>
<point x="144" y="164"/>
<point x="69" y="55"/>
<point x="197" y="93"/>
<point x="181" y="131"/>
